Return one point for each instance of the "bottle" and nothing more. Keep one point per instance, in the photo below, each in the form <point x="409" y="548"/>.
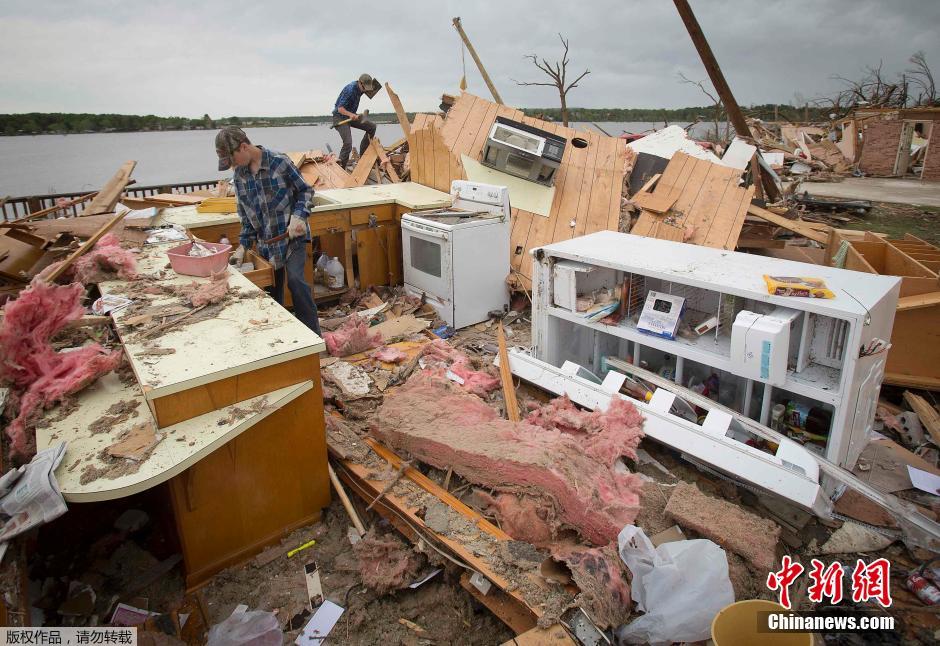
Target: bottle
<point x="335" y="274"/>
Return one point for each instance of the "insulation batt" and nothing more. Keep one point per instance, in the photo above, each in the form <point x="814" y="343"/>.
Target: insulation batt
<point x="211" y="292"/>
<point x="435" y="421"/>
<point x="351" y="337"/>
<point x="606" y="435"/>
<point x="442" y="354"/>
<point x="40" y="375"/>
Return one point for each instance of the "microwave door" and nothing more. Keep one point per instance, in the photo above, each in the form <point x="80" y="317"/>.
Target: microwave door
<point x="427" y="260"/>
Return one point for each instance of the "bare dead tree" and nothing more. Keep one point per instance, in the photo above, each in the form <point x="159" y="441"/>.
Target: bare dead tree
<point x="558" y="72"/>
<point x="718" y="108"/>
<point x="921" y="79"/>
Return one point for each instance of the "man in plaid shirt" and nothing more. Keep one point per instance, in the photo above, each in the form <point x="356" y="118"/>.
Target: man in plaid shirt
<point x="272" y="204"/>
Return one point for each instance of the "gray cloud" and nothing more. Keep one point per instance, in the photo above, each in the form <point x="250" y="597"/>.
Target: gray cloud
<point x="290" y="58"/>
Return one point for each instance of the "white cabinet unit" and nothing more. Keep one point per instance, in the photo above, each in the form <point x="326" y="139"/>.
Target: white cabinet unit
<point x="807" y="359"/>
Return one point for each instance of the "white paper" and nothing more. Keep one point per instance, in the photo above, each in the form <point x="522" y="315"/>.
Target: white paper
<point x="109" y="303"/>
<point x="924" y="480"/>
<point x="320" y="625"/>
<point x="31" y="494"/>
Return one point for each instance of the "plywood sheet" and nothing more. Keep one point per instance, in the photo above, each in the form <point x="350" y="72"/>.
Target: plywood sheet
<point x="709" y="205"/>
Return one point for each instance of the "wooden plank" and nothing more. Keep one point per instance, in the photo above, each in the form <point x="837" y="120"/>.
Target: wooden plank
<point x="512" y="613"/>
<point x="919" y="301"/>
<point x="399" y="110"/>
<point x="570" y="193"/>
<point x="652" y="202"/>
<point x="456" y="118"/>
<point x="795" y="226"/>
<point x="553" y="635"/>
<point x="175" y="199"/>
<point x="725" y="226"/>
<point x="605" y="180"/>
<point x="110" y="193"/>
<point x="364" y="166"/>
<point x="928" y="415"/>
<point x="619" y="183"/>
<point x="589" y="184"/>
<point x="505" y="374"/>
<point x="912" y="381"/>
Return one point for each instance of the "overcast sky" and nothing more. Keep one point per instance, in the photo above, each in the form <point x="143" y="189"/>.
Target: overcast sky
<point x="290" y="57"/>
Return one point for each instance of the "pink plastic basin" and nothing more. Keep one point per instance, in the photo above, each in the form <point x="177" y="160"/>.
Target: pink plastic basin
<point x="182" y="263"/>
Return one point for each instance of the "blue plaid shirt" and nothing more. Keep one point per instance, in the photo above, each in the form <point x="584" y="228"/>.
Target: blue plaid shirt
<point x="348" y="98"/>
<point x="266" y="202"/>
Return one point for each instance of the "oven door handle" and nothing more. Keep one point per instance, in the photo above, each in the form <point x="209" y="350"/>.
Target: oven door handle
<point x="441" y="235"/>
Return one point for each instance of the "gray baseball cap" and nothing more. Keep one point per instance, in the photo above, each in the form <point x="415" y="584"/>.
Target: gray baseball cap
<point x="227" y="142"/>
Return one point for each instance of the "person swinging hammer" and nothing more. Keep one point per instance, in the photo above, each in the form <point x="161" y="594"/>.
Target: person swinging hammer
<point x="345" y="115"/>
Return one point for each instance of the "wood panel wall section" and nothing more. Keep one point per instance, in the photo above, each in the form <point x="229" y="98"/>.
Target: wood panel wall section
<point x="708" y="207"/>
<point x="588" y="185"/>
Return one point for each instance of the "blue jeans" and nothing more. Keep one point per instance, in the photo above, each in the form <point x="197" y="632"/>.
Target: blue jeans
<point x="301" y="293"/>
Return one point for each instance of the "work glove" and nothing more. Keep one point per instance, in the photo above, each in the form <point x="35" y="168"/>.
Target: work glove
<point x="238" y="257"/>
<point x="296" y="228"/>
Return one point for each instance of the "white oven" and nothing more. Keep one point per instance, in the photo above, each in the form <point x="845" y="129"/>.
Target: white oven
<point x="457" y="258"/>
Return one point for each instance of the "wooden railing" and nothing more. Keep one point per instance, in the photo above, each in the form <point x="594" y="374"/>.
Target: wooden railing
<point x="13" y="208"/>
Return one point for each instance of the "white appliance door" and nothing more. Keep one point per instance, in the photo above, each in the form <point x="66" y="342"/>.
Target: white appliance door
<point x="428" y="262"/>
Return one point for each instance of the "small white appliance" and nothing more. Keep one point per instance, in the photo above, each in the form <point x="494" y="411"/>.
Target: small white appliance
<point x="760" y="344"/>
<point x="458" y="257"/>
<point x="660" y="315"/>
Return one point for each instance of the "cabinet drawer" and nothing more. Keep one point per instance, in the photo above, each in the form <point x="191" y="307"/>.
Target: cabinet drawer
<point x="383" y="213"/>
<point x="263" y="273"/>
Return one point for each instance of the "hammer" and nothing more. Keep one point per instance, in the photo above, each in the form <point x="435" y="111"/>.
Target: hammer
<point x="365" y="113"/>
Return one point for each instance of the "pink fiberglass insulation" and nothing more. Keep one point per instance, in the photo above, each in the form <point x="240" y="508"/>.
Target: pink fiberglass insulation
<point x="605" y="435"/>
<point x="40" y="375"/>
<point x="389" y="355"/>
<point x="351" y="337"/>
<point x="386" y="563"/>
<point x="210" y="292"/>
<point x="525" y="518"/>
<point x="734" y="528"/>
<point x="439" y="353"/>
<point x="435" y="421"/>
<point x="105" y="259"/>
<point x="602" y="579"/>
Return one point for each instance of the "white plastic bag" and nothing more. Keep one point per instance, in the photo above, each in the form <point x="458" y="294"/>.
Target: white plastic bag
<point x="680" y="586"/>
<point x="241" y="628"/>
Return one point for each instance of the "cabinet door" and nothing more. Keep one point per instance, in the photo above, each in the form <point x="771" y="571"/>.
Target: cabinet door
<point x="375" y="252"/>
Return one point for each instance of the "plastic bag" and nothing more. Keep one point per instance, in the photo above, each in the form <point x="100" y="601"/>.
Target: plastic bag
<point x="241" y="628"/>
<point x="680" y="586"/>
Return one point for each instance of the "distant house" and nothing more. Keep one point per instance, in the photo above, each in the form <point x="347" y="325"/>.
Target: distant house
<point x="893" y="142"/>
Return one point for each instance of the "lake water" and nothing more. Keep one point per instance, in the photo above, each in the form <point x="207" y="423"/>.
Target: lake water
<point x="31" y="165"/>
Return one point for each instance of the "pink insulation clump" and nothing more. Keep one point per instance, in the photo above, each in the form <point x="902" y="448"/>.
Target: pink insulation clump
<point x="386" y="563"/>
<point x="352" y="336"/>
<point x="441" y="354"/>
<point x="389" y="355"/>
<point x="210" y="292"/>
<point x="440" y="424"/>
<point x="39" y="375"/>
<point x="525" y="518"/>
<point x="606" y="435"/>
<point x="602" y="580"/>
<point x="105" y="259"/>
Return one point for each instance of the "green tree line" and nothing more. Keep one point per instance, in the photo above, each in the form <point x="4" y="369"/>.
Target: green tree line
<point x="36" y="123"/>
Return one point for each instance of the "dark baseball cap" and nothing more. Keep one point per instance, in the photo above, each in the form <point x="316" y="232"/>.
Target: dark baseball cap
<point x="227" y="142"/>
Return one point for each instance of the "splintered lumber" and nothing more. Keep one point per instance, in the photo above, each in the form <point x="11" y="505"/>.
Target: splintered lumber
<point x="655" y="203"/>
<point x="708" y="206"/>
<point x="360" y="173"/>
<point x="399" y="111"/>
<point x="505" y="374"/>
<point x="347" y="505"/>
<point x="384" y="162"/>
<point x="918" y="301"/>
<point x="927" y="414"/>
<point x="57" y="207"/>
<point x="91" y="242"/>
<point x="109" y="195"/>
<point x="218" y="205"/>
<point x="796" y="226"/>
